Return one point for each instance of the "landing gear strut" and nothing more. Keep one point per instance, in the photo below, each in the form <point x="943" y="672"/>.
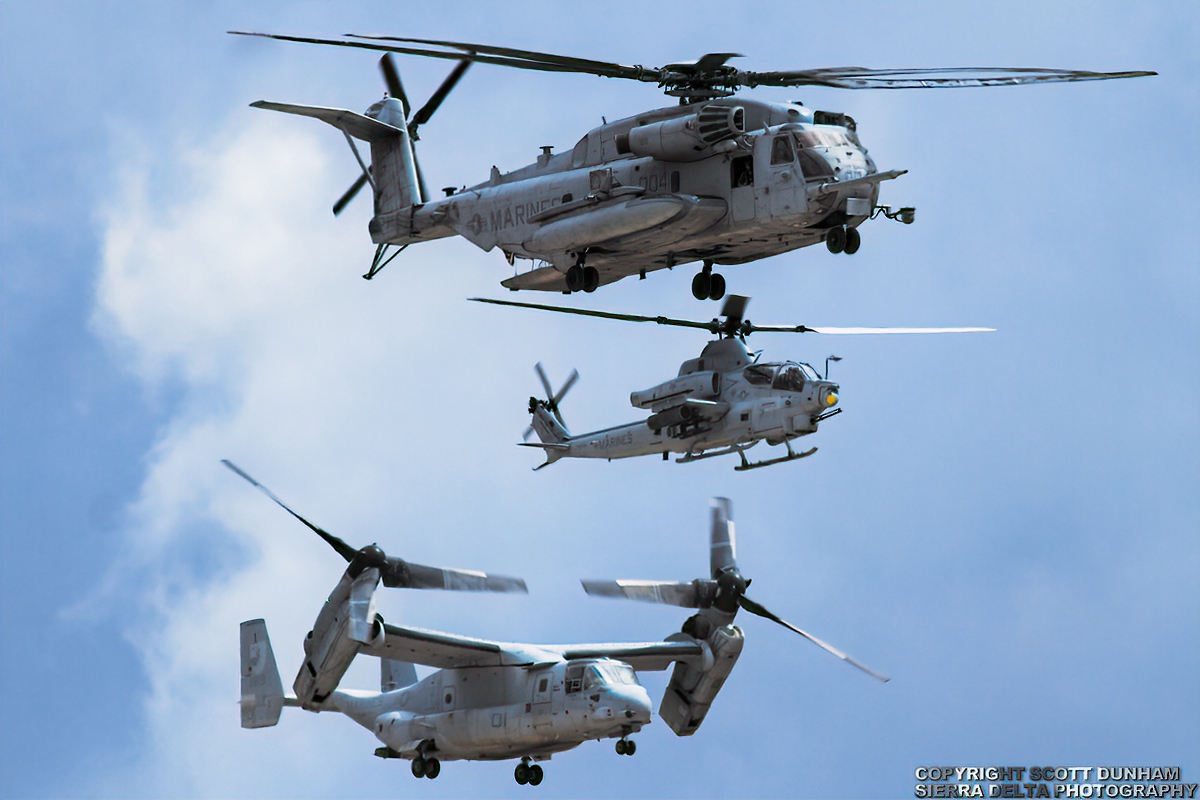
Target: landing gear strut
<point x="626" y="747"/>
<point x="528" y="773"/>
<point x="843" y="240"/>
<point x="708" y="285"/>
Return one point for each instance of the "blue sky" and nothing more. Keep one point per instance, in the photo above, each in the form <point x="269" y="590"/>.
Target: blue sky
<point x="1008" y="525"/>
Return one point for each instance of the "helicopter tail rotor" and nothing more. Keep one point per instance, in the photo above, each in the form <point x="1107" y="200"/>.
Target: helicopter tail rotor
<point x="552" y="400"/>
<point x="413" y="121"/>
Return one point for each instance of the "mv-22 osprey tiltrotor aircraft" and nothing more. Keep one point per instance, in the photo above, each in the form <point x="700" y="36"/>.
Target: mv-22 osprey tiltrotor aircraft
<point x="715" y="180"/>
<point x="494" y="701"/>
<point x="721" y="403"/>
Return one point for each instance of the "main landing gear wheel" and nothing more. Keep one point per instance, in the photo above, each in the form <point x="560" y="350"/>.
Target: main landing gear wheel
<point x="708" y="285"/>
<point x="853" y="240"/>
<point x="591" y="279"/>
<point x="835" y="239"/>
<point x="575" y="278"/>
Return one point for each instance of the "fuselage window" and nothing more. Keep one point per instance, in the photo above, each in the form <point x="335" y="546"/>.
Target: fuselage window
<point x="675" y="181"/>
<point x="542" y="685"/>
<point x="781" y="151"/>
<point x="742" y="171"/>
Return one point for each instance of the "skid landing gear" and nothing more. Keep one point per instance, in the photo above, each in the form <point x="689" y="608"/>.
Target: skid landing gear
<point x="708" y="285"/>
<point x="843" y="240"/>
<point x="528" y="773"/>
<point x="626" y="747"/>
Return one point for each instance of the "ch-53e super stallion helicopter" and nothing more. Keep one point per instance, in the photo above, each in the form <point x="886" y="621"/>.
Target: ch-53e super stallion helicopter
<point x="721" y="403"/>
<point x="713" y="179"/>
<point x="494" y="701"/>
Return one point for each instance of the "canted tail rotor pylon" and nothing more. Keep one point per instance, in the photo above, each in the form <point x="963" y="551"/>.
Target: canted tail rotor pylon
<point x="719" y="596"/>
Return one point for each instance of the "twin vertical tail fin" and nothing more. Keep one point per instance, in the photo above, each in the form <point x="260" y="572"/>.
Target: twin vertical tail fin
<point x="395" y="675"/>
<point x="262" y="691"/>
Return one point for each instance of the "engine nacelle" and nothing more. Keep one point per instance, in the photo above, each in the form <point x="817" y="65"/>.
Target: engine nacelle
<point x="694" y="686"/>
<point x="701" y="385"/>
<point x="689" y="138"/>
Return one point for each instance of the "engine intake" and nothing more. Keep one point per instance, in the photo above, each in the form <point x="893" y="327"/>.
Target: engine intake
<point x="689" y="138"/>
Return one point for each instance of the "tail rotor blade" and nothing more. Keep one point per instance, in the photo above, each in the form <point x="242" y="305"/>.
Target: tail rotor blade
<point x="344" y="550"/>
<point x="566" y="387"/>
<point x="541" y="373"/>
<point x="391" y="77"/>
<point x="723" y="552"/>
<point x="432" y="104"/>
<point x="755" y="608"/>
<point x="350" y="194"/>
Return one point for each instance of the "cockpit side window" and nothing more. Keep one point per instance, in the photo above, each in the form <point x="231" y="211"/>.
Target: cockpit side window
<point x="790" y="379"/>
<point x="781" y="150"/>
<point x="592" y="678"/>
<point x="759" y="374"/>
<point x="574" y="679"/>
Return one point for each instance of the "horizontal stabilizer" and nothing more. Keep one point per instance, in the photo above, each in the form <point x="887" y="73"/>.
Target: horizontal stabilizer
<point x="356" y="125"/>
<point x="545" y="445"/>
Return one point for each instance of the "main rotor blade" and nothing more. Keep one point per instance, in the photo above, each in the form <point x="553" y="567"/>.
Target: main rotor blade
<point x="431" y="105"/>
<point x="350" y="194"/>
<point x="755" y="608"/>
<point x="547" y="64"/>
<point x="723" y="543"/>
<point x="344" y="550"/>
<point x="712" y="327"/>
<point x="391" y="78"/>
<point x="531" y="58"/>
<point x="693" y="594"/>
<point x="930" y="78"/>
<point x="855" y="331"/>
<point x="402" y="574"/>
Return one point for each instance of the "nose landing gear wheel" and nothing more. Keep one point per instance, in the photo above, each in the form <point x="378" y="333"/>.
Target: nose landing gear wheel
<point x="853" y="240"/>
<point x="521" y="773"/>
<point x="535" y="775"/>
<point x="626" y="747"/>
<point x="591" y="279"/>
<point x="433" y="768"/>
<point x="701" y="285"/>
<point x="418" y="767"/>
<point x="835" y="239"/>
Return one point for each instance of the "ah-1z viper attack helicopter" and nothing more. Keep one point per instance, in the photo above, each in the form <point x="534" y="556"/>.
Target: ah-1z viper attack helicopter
<point x="713" y="179"/>
<point x="722" y="402"/>
<point x="493" y="701"/>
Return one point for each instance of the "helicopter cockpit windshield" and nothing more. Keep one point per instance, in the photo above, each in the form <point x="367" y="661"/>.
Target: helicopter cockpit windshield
<point x="607" y="673"/>
<point x="791" y="377"/>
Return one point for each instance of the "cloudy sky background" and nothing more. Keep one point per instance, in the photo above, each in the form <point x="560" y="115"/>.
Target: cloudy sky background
<point x="1007" y="524"/>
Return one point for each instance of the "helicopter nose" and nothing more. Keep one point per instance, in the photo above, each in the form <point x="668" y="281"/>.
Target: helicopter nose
<point x="631" y="703"/>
